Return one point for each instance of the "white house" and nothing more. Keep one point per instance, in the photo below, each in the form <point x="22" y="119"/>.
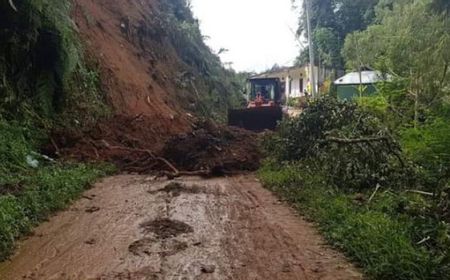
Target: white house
<point x="296" y="79"/>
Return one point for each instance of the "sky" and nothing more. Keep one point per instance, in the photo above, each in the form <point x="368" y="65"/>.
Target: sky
<point x="256" y="33"/>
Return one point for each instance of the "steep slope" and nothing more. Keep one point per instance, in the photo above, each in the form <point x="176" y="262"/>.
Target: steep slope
<point x="153" y="60"/>
<point x="132" y="76"/>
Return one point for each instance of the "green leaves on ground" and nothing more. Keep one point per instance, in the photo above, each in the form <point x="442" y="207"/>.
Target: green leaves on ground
<point x="381" y="200"/>
<point x="384" y="235"/>
<point x="351" y="145"/>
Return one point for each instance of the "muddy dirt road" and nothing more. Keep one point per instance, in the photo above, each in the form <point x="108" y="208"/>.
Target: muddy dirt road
<point x="136" y="227"/>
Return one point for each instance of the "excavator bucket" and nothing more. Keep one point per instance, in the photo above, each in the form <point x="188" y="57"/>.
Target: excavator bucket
<point x="256" y="119"/>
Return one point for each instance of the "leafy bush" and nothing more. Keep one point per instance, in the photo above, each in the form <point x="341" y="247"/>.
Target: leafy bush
<point x="45" y="190"/>
<point x="13" y="149"/>
<point x="30" y="194"/>
<point x="385" y="236"/>
<point x="428" y="145"/>
<point x="205" y="77"/>
<point x="41" y="62"/>
<point x="347" y="143"/>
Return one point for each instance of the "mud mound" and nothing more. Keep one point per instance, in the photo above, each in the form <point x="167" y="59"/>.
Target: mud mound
<point x="102" y="142"/>
<point x="216" y="148"/>
<point x="128" y="142"/>
<point x="134" y="144"/>
<point x="166" y="228"/>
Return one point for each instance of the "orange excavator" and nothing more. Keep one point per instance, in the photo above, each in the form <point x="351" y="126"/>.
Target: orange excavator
<point x="264" y="109"/>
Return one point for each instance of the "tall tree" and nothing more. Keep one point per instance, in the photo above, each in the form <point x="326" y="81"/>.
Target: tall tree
<point x="331" y="21"/>
<point x="410" y="43"/>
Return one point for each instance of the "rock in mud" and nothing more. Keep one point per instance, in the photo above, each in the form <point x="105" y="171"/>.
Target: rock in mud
<point x="208" y="269"/>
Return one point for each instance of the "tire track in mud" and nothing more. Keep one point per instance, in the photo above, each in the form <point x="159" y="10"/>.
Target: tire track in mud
<point x="189" y="228"/>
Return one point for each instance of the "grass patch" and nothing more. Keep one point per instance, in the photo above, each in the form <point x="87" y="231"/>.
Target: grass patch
<point x="31" y="192"/>
<point x="381" y="235"/>
<point x="45" y="191"/>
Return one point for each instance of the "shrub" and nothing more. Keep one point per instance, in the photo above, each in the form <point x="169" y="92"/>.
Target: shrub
<point x="45" y="191"/>
<point x="42" y="63"/>
<point x="350" y="145"/>
<point x="383" y="236"/>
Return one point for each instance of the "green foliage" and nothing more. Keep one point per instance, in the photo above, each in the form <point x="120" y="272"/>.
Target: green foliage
<point x="441" y="6"/>
<point x="381" y="235"/>
<point x="398" y="234"/>
<point x="428" y="146"/>
<point x="45" y="190"/>
<point x="410" y="43"/>
<point x="327" y="44"/>
<point x="41" y="61"/>
<point x="29" y="194"/>
<point x="217" y="89"/>
<point x="320" y="136"/>
<point x="331" y="21"/>
<point x="377" y="104"/>
<point x="13" y="150"/>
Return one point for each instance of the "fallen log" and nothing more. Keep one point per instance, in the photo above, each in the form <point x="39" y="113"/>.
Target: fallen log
<point x="150" y="153"/>
<point x="356" y="140"/>
<point x="170" y="174"/>
<point x="13" y="6"/>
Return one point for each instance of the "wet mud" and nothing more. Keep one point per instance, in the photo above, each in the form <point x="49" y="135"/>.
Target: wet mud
<point x="228" y="228"/>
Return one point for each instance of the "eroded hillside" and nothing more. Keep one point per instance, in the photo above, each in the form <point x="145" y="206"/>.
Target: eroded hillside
<point x="153" y="60"/>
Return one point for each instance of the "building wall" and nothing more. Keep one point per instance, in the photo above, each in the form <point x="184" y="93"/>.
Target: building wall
<point x="296" y="82"/>
<point x="296" y="79"/>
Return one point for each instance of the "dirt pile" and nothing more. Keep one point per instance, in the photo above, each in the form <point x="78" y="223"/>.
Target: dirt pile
<point x="120" y="140"/>
<point x="134" y="144"/>
<point x="216" y="148"/>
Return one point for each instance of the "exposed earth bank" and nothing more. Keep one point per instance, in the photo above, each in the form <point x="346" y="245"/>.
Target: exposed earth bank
<point x="139" y="227"/>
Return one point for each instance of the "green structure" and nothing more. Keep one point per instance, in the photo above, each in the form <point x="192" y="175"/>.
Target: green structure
<point x="356" y="84"/>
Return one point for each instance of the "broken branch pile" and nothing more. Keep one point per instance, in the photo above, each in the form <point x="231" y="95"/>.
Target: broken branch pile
<point x="134" y="145"/>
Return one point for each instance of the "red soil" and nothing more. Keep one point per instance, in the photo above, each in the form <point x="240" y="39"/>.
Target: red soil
<point x="135" y="71"/>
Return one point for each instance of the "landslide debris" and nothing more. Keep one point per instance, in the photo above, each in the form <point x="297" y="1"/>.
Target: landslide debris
<point x="131" y="143"/>
<point x="216" y="148"/>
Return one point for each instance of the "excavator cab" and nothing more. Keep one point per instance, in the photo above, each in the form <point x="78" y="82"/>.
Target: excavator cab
<point x="263" y="110"/>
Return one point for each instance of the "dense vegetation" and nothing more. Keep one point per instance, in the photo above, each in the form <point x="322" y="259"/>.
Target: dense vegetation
<point x="374" y="172"/>
<point x="331" y="21"/>
<point x="218" y="88"/>
<point x="44" y="82"/>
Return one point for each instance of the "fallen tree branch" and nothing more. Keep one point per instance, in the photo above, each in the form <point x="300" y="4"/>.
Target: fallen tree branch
<point x="186" y="173"/>
<point x="356" y="140"/>
<point x="171" y="174"/>
<point x="150" y="153"/>
<point x="424" y="240"/>
<point x="420" y="192"/>
<point x="11" y="3"/>
<point x="374" y="193"/>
